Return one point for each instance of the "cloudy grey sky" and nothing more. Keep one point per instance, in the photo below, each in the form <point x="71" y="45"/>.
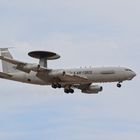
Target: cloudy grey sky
<point x="84" y="33"/>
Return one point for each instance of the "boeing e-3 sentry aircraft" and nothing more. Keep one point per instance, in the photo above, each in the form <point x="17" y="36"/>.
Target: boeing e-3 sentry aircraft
<point x="69" y="79"/>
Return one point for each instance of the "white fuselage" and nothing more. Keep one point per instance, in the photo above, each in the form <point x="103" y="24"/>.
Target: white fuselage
<point x="94" y="75"/>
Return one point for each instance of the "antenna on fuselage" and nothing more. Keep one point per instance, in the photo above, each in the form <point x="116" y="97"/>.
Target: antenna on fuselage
<point x="43" y="57"/>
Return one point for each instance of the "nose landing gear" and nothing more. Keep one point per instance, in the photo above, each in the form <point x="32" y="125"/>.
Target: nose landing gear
<point x="119" y="85"/>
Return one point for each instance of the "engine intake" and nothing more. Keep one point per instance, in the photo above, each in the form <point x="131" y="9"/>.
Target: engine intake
<point x="93" y="89"/>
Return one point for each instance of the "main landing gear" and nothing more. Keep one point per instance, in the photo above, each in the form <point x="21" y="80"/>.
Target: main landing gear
<point x="56" y="86"/>
<point x="119" y="85"/>
<point x="69" y="91"/>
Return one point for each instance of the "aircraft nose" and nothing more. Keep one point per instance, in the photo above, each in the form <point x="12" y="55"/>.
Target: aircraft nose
<point x="133" y="74"/>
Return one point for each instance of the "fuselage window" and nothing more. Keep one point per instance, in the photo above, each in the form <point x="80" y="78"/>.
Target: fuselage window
<point x="128" y="70"/>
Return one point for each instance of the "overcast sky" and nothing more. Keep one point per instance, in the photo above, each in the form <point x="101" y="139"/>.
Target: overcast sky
<point x="85" y="33"/>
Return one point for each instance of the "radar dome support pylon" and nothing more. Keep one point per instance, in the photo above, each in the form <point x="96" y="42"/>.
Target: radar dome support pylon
<point x="43" y="57"/>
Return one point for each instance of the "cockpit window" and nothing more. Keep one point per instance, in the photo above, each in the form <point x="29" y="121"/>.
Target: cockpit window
<point x="128" y="70"/>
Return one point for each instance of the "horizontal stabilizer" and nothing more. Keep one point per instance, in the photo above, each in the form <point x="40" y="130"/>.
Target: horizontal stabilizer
<point x="5" y="75"/>
<point x="12" y="61"/>
<point x="6" y="66"/>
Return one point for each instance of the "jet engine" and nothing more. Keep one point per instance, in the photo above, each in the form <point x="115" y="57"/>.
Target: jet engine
<point x="27" y="68"/>
<point x="57" y="73"/>
<point x="92" y="89"/>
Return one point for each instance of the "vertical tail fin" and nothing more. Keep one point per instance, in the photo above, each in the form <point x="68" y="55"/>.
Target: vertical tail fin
<point x="7" y="67"/>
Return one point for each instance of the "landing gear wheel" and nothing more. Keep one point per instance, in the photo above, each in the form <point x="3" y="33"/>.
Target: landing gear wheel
<point x="119" y="85"/>
<point x="66" y="91"/>
<point x="71" y="91"/>
<point x="59" y="86"/>
<point x="54" y="86"/>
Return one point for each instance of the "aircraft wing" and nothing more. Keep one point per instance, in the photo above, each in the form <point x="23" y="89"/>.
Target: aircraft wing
<point x="25" y="67"/>
<point x="73" y="79"/>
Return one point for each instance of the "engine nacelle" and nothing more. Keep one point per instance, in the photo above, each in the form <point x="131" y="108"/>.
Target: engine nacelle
<point x="33" y="67"/>
<point x="28" y="67"/>
<point x="92" y="89"/>
<point x="57" y="73"/>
